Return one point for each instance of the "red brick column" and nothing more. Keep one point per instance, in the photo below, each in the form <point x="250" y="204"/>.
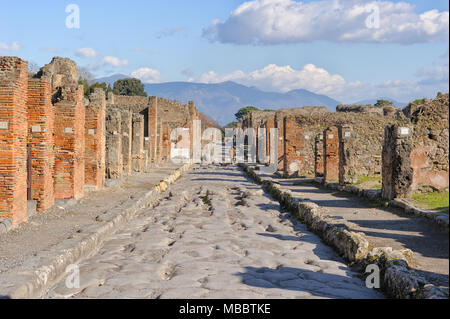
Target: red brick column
<point x="40" y="138"/>
<point x="294" y="141"/>
<point x="331" y="154"/>
<point x="153" y="127"/>
<point x="95" y="139"/>
<point x="70" y="144"/>
<point x="13" y="139"/>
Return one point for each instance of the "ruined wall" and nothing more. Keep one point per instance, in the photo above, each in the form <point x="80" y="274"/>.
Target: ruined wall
<point x="95" y="139"/>
<point x="114" y="159"/>
<point x="318" y="155"/>
<point x="69" y="173"/>
<point x="13" y="138"/>
<point x="348" y="173"/>
<point x="41" y="143"/>
<point x="429" y="156"/>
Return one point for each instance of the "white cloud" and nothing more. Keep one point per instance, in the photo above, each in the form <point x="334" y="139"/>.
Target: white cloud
<point x="288" y="21"/>
<point x="284" y="79"/>
<point x="86" y="53"/>
<point x="147" y="75"/>
<point x="114" y="62"/>
<point x="171" y="31"/>
<point x="13" y="47"/>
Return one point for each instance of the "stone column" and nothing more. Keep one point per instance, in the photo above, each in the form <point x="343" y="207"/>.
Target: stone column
<point x="137" y="149"/>
<point x="279" y="121"/>
<point x="396" y="157"/>
<point x="114" y="164"/>
<point x="347" y="156"/>
<point x="318" y="155"/>
<point x="331" y="154"/>
<point x="127" y="132"/>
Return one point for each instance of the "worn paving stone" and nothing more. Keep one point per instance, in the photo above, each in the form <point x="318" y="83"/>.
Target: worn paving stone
<point x="200" y="242"/>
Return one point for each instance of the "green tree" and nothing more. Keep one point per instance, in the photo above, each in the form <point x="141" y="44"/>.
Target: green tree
<point x="231" y="125"/>
<point x="381" y="103"/>
<point x="244" y="111"/>
<point x="130" y="87"/>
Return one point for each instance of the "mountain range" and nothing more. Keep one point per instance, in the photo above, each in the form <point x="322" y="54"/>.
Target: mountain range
<point x="221" y="101"/>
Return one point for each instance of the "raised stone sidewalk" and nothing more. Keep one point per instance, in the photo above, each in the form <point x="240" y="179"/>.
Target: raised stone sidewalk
<point x="412" y="254"/>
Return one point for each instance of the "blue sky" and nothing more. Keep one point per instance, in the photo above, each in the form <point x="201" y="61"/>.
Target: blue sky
<point x="276" y="45"/>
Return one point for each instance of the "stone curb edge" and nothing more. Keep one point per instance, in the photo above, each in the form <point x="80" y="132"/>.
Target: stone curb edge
<point x="398" y="280"/>
<point x="442" y="220"/>
<point x="46" y="275"/>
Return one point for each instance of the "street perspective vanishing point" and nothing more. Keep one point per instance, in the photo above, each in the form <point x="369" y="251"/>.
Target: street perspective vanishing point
<point x="233" y="158"/>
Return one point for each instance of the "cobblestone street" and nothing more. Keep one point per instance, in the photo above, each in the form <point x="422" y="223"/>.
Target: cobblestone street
<point x="215" y="234"/>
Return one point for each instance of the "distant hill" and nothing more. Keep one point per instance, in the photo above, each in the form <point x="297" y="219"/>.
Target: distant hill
<point x="110" y="79"/>
<point x="373" y="101"/>
<point x="222" y="100"/>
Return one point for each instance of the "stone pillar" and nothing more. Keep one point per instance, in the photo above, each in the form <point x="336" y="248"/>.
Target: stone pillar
<point x="127" y="132"/>
<point x="95" y="139"/>
<point x="153" y="127"/>
<point x="396" y="157"/>
<point x="137" y="143"/>
<point x="146" y="152"/>
<point x="165" y="143"/>
<point x="294" y="141"/>
<point x="331" y="154"/>
<point x="318" y="155"/>
<point x="41" y="143"/>
<point x="114" y="164"/>
<point x="347" y="156"/>
<point x="270" y="124"/>
<point x="13" y="139"/>
<point x="279" y="122"/>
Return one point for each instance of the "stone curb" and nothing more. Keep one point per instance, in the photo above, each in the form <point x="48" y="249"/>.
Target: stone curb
<point x="41" y="279"/>
<point x="397" y="279"/>
<point x="441" y="220"/>
<point x="438" y="218"/>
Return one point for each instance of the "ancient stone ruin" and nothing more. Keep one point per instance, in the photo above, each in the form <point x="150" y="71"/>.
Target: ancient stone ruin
<point x="57" y="145"/>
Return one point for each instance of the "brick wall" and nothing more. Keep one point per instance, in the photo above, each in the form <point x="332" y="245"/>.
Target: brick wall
<point x="95" y="139"/>
<point x="13" y="138"/>
<point x="41" y="119"/>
